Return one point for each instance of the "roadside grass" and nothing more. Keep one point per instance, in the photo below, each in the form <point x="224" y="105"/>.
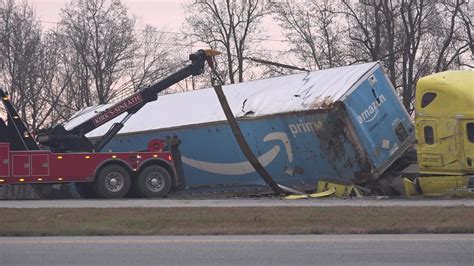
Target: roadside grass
<point x="235" y="220"/>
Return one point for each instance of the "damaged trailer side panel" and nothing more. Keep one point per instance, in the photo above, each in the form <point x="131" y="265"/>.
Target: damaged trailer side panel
<point x="355" y="134"/>
<point x="288" y="146"/>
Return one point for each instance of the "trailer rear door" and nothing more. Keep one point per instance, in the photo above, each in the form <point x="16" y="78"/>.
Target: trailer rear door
<point x="382" y="124"/>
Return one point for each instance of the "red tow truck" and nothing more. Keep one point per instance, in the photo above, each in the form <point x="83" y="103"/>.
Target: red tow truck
<point x="72" y="157"/>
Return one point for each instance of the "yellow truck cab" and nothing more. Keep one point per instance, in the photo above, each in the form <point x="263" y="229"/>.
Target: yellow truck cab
<point x="445" y="131"/>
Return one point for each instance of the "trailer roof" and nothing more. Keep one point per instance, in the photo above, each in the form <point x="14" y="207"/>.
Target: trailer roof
<point x="292" y="93"/>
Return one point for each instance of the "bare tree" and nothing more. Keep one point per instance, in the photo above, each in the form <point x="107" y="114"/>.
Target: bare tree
<point x="415" y="17"/>
<point x="466" y="15"/>
<point x="373" y="32"/>
<point x="20" y="40"/>
<point x="155" y="57"/>
<point x="455" y="37"/>
<point x="98" y="37"/>
<point x="28" y="64"/>
<point x="58" y="94"/>
<point x="230" y="26"/>
<point x="314" y="30"/>
<point x="411" y="38"/>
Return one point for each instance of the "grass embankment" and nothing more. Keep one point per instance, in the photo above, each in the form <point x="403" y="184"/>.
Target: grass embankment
<point x="249" y="220"/>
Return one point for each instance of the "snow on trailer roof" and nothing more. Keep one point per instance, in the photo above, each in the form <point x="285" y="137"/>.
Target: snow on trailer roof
<point x="292" y="93"/>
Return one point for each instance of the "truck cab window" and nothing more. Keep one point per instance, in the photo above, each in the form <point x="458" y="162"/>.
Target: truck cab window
<point x="470" y="132"/>
<point x="429" y="135"/>
<point x="427" y="99"/>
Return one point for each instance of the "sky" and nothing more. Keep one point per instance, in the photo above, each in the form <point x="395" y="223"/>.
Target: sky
<point x="161" y="13"/>
<point x="164" y="14"/>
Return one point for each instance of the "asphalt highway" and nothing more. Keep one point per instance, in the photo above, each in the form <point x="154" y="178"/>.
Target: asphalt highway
<point x="241" y="250"/>
<point x="242" y="202"/>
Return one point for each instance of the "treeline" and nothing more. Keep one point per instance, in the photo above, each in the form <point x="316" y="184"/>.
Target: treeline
<point x="97" y="53"/>
<point x="93" y="55"/>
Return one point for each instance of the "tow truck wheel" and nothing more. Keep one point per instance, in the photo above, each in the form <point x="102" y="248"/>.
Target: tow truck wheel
<point x="154" y="182"/>
<point x="113" y="181"/>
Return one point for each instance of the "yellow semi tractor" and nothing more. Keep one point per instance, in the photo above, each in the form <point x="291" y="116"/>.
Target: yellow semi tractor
<point x="444" y="134"/>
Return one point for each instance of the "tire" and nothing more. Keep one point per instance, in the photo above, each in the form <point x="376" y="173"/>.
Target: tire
<point x="113" y="182"/>
<point x="153" y="182"/>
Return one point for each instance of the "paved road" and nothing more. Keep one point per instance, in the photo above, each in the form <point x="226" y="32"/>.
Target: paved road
<point x="241" y="250"/>
<point x="259" y="202"/>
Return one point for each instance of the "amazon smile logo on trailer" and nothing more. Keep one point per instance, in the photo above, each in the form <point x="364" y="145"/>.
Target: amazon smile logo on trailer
<point x="242" y="168"/>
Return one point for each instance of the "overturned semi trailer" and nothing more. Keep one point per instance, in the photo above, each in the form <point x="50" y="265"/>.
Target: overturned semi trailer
<point x="343" y="124"/>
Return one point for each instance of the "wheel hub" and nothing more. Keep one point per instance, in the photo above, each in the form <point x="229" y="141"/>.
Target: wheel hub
<point x="114" y="182"/>
<point x="155" y="182"/>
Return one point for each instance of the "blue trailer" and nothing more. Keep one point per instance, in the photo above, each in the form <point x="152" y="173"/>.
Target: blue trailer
<point x="345" y="124"/>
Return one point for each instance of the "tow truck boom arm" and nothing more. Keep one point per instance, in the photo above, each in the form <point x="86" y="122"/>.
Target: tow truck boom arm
<point x="60" y="139"/>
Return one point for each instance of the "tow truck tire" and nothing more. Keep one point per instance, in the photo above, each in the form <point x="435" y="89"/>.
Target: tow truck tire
<point x="113" y="182"/>
<point x="153" y="182"/>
